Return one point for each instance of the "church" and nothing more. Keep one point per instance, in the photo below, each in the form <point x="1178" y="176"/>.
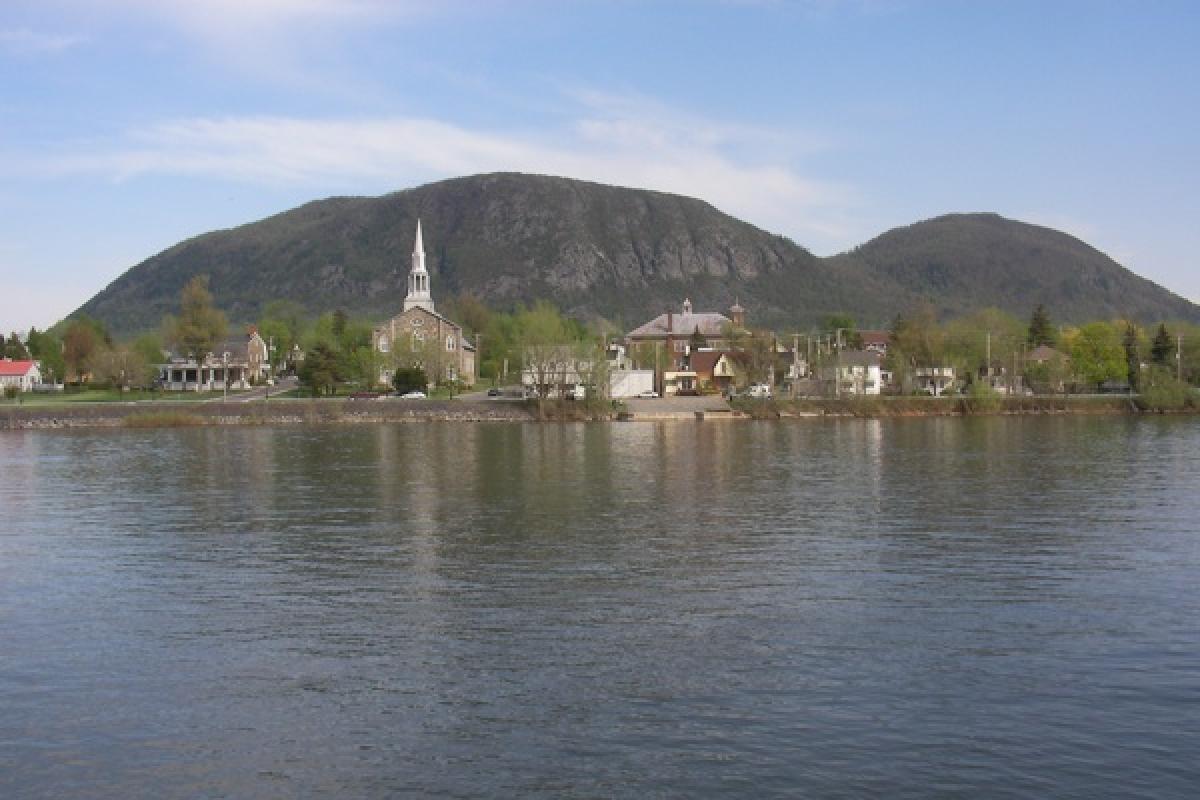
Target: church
<point x="420" y="336"/>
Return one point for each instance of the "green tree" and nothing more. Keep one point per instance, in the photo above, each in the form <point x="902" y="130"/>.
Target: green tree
<point x="117" y="366"/>
<point x="200" y="326"/>
<point x="83" y="341"/>
<point x="14" y="348"/>
<point x="1097" y="354"/>
<point x="282" y="325"/>
<point x="1041" y="331"/>
<point x="916" y="341"/>
<point x="363" y="365"/>
<point x="409" y="379"/>
<point x="321" y="370"/>
<point x="969" y="339"/>
<point x="1133" y="358"/>
<point x="845" y="330"/>
<point x="47" y="349"/>
<point x="1162" y="351"/>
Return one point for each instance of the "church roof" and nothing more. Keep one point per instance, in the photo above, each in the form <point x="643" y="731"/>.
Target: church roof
<point x="709" y="323"/>
<point x="418" y="245"/>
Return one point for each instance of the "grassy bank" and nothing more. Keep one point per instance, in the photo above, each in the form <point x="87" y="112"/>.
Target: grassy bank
<point x="288" y="412"/>
<point x="162" y="419"/>
<point x="885" y="406"/>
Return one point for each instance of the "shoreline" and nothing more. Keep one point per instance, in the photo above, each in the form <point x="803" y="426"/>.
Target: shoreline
<point x="344" y="411"/>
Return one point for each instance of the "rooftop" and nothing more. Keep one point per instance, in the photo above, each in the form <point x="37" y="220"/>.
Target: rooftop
<point x="18" y="368"/>
<point x="708" y="323"/>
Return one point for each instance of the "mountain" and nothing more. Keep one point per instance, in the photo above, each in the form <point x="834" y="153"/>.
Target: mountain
<point x="963" y="262"/>
<point x="624" y="254"/>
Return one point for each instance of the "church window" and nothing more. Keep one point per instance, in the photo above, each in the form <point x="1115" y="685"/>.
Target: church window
<point x="384" y="343"/>
<point x="418" y="339"/>
<point x="450" y="343"/>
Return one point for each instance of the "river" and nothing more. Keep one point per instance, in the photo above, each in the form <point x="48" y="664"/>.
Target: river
<point x="980" y="607"/>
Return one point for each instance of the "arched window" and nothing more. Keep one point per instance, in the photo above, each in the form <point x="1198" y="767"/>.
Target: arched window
<point x="418" y="339"/>
<point x="451" y="343"/>
<point x="384" y="343"/>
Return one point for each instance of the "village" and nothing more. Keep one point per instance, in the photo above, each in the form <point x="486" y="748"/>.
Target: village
<point x="682" y="352"/>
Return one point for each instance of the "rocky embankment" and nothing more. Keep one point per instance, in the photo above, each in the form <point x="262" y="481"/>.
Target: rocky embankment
<point x="275" y="412"/>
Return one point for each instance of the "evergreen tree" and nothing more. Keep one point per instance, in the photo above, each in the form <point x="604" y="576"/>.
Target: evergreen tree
<point x="14" y="348"/>
<point x="1162" y="351"/>
<point x="1133" y="359"/>
<point x="321" y="369"/>
<point x="1041" y="331"/>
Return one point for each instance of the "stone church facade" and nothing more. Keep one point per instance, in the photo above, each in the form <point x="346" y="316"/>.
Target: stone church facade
<point x="420" y="336"/>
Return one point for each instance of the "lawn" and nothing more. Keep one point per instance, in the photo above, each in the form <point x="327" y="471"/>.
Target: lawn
<point x="107" y="396"/>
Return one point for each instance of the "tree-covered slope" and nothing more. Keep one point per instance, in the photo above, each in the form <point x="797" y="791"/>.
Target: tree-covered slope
<point x="963" y="262"/>
<point x="624" y="254"/>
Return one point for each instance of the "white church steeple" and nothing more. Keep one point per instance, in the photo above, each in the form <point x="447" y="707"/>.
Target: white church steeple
<point x="418" y="279"/>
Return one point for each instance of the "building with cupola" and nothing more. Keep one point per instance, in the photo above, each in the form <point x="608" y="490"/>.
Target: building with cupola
<point x="420" y="336"/>
<point x="681" y="333"/>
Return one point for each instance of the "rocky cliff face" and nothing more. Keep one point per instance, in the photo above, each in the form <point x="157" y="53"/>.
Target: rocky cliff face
<point x="623" y="254"/>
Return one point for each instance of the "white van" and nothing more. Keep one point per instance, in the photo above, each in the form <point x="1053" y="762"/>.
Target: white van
<point x="759" y="390"/>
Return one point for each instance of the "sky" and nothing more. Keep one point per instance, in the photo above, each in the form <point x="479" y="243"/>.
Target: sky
<point x="129" y="125"/>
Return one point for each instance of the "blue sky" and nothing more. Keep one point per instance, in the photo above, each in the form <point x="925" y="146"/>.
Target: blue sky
<point x="128" y="125"/>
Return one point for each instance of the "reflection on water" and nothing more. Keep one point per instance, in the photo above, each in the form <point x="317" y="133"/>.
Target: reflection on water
<point x="1002" y="607"/>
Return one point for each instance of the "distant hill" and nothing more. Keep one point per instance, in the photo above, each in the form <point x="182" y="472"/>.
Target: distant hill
<point x="623" y="254"/>
<point x="963" y="262"/>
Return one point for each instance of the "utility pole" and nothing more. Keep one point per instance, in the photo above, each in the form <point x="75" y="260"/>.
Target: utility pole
<point x="795" y="361"/>
<point x="1179" y="358"/>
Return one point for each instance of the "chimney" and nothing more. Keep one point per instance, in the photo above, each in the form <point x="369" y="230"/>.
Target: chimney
<point x="670" y="321"/>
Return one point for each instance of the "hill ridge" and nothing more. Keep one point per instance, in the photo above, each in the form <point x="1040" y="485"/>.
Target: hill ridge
<point x="624" y="254"/>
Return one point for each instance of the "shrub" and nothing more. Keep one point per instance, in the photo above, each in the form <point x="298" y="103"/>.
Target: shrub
<point x="410" y="379"/>
<point x="1162" y="392"/>
<point x="980" y="399"/>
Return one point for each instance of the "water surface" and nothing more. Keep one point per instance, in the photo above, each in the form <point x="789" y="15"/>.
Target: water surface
<point x="908" y="608"/>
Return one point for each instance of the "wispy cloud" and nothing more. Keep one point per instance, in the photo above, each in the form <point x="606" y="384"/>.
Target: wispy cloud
<point x="394" y="152"/>
<point x="23" y="41"/>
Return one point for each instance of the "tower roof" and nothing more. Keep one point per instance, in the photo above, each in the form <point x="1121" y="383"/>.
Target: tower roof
<point x="418" y="245"/>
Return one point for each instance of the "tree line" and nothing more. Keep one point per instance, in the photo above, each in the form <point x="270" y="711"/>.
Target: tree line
<point x="338" y="349"/>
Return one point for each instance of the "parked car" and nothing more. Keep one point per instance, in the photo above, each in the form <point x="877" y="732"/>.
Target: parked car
<point x="493" y="392"/>
<point x="416" y="394"/>
<point x="648" y="394"/>
<point x="760" y="390"/>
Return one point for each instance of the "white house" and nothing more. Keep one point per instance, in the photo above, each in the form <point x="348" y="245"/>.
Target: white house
<point x="24" y="375"/>
<point x="935" y="380"/>
<point x="854" y="372"/>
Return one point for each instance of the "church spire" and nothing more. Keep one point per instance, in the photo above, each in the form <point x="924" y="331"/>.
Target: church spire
<point x="418" y="279"/>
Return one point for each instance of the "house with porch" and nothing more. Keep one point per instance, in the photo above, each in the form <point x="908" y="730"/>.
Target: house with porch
<point x="233" y="364"/>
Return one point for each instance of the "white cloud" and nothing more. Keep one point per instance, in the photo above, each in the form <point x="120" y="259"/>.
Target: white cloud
<point x="742" y="170"/>
<point x="23" y="41"/>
